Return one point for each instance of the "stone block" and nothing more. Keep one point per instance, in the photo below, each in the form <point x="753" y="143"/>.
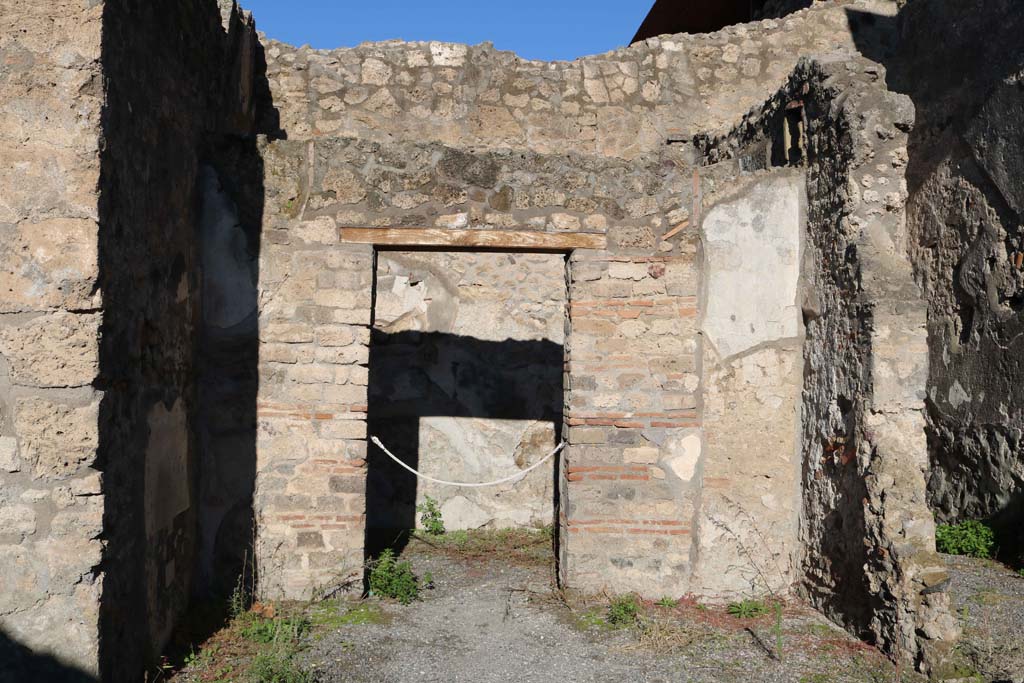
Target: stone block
<point x="49" y="264"/>
<point x="57" y="439"/>
<point x="9" y="461"/>
<point x="643" y="454"/>
<point x="53" y="350"/>
<point x="343" y="429"/>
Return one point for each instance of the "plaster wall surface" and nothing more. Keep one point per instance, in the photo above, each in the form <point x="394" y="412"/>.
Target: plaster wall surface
<point x="752" y="374"/>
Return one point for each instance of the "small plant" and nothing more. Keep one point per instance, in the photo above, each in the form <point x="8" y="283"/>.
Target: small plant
<point x="971" y="538"/>
<point x="284" y="630"/>
<point x="390" y="578"/>
<point x="747" y="609"/>
<point x="666" y="602"/>
<point x="1020" y="573"/>
<point x="430" y="516"/>
<point x="277" y="666"/>
<point x="623" y="611"/>
<point x="240" y="601"/>
<point x="777" y="629"/>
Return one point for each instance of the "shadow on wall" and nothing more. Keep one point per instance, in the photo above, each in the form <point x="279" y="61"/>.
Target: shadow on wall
<point x="965" y="215"/>
<point x="413" y="375"/>
<point x="186" y="97"/>
<point x="18" y="664"/>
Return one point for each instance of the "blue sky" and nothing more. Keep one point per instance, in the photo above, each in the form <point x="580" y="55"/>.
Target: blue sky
<point x="535" y="29"/>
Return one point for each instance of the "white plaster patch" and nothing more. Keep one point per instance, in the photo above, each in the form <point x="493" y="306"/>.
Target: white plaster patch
<point x="448" y="54"/>
<point x="752" y="247"/>
<point x="684" y="465"/>
<point x="461" y="513"/>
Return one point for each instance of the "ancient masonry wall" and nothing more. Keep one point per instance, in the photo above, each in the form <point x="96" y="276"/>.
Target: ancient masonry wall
<point x="864" y="450"/>
<point x="102" y="130"/>
<point x="51" y="507"/>
<point x="965" y="212"/>
<point x="165" y="102"/>
<point x="466" y="378"/>
<point x="633" y="400"/>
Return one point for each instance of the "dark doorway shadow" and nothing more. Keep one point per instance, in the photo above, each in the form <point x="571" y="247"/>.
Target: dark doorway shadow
<point x="420" y="374"/>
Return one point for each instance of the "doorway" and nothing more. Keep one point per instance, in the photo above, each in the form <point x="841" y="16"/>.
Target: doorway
<point x="466" y="384"/>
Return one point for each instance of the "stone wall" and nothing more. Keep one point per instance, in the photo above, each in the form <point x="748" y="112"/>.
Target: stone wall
<point x="51" y="507"/>
<point x="869" y="554"/>
<point x="446" y="136"/>
<point x="625" y="103"/>
<point x="103" y="128"/>
<point x="166" y="102"/>
<point x="966" y="208"/>
<point x="314" y="189"/>
<point x="466" y="380"/>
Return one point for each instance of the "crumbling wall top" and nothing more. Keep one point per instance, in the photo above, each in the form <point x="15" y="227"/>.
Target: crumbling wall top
<point x="625" y="103"/>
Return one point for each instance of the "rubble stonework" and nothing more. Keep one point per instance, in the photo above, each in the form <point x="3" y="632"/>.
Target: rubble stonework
<point x="778" y="357"/>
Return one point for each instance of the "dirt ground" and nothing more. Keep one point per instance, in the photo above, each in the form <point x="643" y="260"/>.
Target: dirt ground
<point x="494" y="615"/>
<point x="989" y="601"/>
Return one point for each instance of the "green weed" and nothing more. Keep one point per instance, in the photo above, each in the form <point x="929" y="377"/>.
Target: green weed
<point x="971" y="538"/>
<point x="747" y="609"/>
<point x="332" y="615"/>
<point x="390" y="578"/>
<point x="278" y="630"/>
<point x="623" y="611"/>
<point x="430" y="516"/>
<point x="278" y="666"/>
<point x="667" y="602"/>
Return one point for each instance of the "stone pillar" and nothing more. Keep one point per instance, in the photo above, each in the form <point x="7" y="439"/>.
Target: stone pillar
<point x="633" y="428"/>
<point x="311" y="434"/>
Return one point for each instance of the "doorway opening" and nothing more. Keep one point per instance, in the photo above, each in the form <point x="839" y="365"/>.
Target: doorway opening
<point x="465" y="384"/>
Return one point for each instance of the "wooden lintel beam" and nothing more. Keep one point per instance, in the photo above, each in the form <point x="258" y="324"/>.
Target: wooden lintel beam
<point x="440" y="238"/>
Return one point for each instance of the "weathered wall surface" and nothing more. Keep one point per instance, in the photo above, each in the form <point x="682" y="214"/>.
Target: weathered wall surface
<point x="166" y="101"/>
<point x="624" y="103"/>
<point x="315" y="188"/>
<point x="752" y="371"/>
<point x="864" y="450"/>
<point x="486" y="126"/>
<point x="466" y="379"/>
<point x="966" y="208"/>
<point x="629" y="485"/>
<point x="50" y="504"/>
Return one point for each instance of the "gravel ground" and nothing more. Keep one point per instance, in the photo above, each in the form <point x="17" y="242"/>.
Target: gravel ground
<point x="989" y="600"/>
<point x="490" y="621"/>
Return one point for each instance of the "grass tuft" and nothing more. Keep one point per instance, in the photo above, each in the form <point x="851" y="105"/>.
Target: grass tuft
<point x="747" y="609"/>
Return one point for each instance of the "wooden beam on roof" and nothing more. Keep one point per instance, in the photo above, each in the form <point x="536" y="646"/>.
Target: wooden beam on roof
<point x="440" y="238"/>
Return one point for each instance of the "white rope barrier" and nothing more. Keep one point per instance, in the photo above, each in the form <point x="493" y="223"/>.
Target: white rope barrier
<point x="517" y="475"/>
